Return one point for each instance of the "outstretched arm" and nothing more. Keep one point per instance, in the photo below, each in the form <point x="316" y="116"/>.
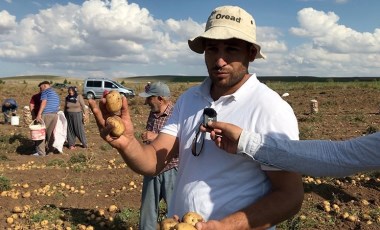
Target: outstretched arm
<point x="143" y="159"/>
<point x="310" y="157"/>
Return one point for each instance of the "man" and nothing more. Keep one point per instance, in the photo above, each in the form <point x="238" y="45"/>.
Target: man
<point x="9" y="108"/>
<point x="155" y="188"/>
<point x="47" y="113"/>
<point x="34" y="104"/>
<point x="227" y="190"/>
<point x="310" y="157"/>
<point x="34" y="107"/>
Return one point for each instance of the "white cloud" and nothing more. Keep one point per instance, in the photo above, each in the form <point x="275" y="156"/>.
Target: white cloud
<point x="93" y="35"/>
<point x="332" y="49"/>
<point x="7" y="22"/>
<point x="270" y="40"/>
<point x="325" y="32"/>
<point x="115" y="38"/>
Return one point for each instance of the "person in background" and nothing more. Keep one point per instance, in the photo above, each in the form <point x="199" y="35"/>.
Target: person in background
<point x="309" y="157"/>
<point x="75" y="112"/>
<point x="227" y="190"/>
<point x="47" y="114"/>
<point x="161" y="186"/>
<point x="147" y="86"/>
<point x="34" y="104"/>
<point x="34" y="107"/>
<point x="9" y="108"/>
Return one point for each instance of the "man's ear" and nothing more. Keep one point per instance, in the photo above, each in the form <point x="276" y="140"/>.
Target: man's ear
<point x="252" y="53"/>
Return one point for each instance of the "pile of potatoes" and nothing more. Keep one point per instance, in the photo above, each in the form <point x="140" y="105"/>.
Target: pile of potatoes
<point x="113" y="105"/>
<point x="188" y="222"/>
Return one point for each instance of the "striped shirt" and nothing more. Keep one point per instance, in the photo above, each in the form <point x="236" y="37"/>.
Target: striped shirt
<point x="155" y="123"/>
<point x="52" y="101"/>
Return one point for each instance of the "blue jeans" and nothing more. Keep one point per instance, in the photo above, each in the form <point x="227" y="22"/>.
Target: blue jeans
<point x="154" y="189"/>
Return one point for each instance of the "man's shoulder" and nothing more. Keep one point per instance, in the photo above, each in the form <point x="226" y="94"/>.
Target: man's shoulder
<point x="50" y="92"/>
<point x="36" y="96"/>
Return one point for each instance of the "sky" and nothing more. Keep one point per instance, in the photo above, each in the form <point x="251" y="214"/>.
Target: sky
<point x="120" y="38"/>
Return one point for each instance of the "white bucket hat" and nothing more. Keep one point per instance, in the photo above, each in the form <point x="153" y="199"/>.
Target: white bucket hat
<point x="228" y="22"/>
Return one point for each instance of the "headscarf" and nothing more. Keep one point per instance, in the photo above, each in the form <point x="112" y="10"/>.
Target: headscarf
<point x="73" y="98"/>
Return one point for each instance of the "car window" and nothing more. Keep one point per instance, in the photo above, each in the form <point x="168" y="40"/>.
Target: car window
<point x="97" y="84"/>
<point x="108" y="84"/>
<point x="94" y="84"/>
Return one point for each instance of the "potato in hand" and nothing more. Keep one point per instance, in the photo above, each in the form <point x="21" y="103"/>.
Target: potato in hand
<point x="168" y="224"/>
<point x="117" y="125"/>
<point x="113" y="101"/>
<point x="192" y="218"/>
<point x="188" y="222"/>
<point x="184" y="226"/>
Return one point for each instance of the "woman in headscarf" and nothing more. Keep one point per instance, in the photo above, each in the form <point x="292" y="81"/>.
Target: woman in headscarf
<point x="75" y="113"/>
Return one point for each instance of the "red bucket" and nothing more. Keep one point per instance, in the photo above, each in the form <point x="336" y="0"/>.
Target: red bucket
<point x="38" y="131"/>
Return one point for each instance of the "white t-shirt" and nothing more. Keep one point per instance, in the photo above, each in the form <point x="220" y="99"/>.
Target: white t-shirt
<point x="215" y="184"/>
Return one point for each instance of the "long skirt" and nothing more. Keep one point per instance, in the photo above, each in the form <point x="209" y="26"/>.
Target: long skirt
<point x="75" y="128"/>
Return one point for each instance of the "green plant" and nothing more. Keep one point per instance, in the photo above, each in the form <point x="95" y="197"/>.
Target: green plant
<point x="77" y="158"/>
<point x="371" y="130"/>
<point x="306" y="132"/>
<point x="4" y="138"/>
<point x="163" y="210"/>
<point x="5" y="183"/>
<point x="106" y="147"/>
<point x="291" y="224"/>
<point x="128" y="217"/>
<point x="49" y="213"/>
<point x="56" y="162"/>
<point x="3" y="158"/>
<point x="78" y="167"/>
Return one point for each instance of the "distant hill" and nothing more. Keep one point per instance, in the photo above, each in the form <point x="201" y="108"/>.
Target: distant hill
<point x="176" y="78"/>
<point x="179" y="78"/>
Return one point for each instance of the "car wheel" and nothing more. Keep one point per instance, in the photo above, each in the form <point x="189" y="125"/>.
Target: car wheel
<point x="90" y="95"/>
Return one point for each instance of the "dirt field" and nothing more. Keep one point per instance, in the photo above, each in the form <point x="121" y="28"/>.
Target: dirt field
<point x="79" y="188"/>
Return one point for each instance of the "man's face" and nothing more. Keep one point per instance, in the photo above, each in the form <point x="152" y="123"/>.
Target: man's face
<point x="154" y="103"/>
<point x="43" y="87"/>
<point x="227" y="61"/>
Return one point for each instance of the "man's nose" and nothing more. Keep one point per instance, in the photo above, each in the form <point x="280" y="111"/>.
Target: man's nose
<point x="220" y="62"/>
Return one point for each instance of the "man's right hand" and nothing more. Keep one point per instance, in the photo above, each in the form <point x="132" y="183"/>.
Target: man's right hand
<point x="39" y="118"/>
<point x="101" y="114"/>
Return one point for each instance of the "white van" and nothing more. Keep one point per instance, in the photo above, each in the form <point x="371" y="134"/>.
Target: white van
<point x="94" y="88"/>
